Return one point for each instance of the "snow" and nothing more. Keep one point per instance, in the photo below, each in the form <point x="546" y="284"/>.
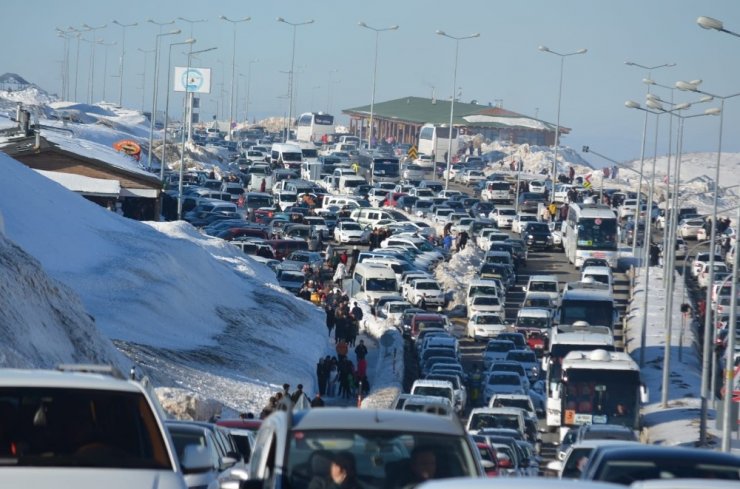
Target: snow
<point x="82" y="184"/>
<point x="508" y="121"/>
<point x="455" y="275"/>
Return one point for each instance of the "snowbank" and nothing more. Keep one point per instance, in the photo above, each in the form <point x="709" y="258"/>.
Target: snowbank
<point x="456" y="274"/>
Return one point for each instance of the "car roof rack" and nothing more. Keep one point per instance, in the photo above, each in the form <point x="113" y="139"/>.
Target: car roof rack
<point x="91" y="369"/>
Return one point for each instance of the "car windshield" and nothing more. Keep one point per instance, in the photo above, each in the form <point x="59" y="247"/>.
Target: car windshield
<point x="543" y="287"/>
<point x="500" y="346"/>
<point x="67" y="427"/>
<point x="507" y="212"/>
<point x="522" y="356"/>
<point x="480" y="421"/>
<point x="395" y="308"/>
<point x="486" y="301"/>
<point x="427" y="286"/>
<point x="381" y="284"/>
<point x="351" y="226"/>
<point x="380" y="458"/>
<point x="501" y="379"/>
<point x="427" y="390"/>
<point x="532" y="322"/>
<point x="488" y="319"/>
<point x="517" y="403"/>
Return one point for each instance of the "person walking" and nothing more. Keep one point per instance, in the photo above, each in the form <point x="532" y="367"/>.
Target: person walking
<point x="361" y="351"/>
<point x="298" y="394"/>
<point x="317" y="401"/>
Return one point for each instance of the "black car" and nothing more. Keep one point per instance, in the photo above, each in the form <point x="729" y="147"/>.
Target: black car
<point x="537" y="235"/>
<point x="481" y="209"/>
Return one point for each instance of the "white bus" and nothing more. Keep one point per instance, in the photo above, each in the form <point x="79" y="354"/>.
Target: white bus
<point x="563" y="341"/>
<point x="590" y="231"/>
<point x="594" y="306"/>
<point x="599" y="387"/>
<point x="435" y="140"/>
<point x="312" y="126"/>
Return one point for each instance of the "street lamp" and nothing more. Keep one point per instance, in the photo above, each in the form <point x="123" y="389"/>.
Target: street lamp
<point x="191" y="22"/>
<point x="249" y="83"/>
<point x="545" y="49"/>
<point x="642" y="146"/>
<point x="190" y="42"/>
<point x="186" y="113"/>
<point x="233" y="68"/>
<point x="375" y="71"/>
<point x="714" y="24"/>
<point x="123" y="54"/>
<point x="452" y="103"/>
<point x="153" y="118"/>
<point x="91" y="77"/>
<point x="105" y="45"/>
<point x="294" y="25"/>
<point x="65" y="34"/>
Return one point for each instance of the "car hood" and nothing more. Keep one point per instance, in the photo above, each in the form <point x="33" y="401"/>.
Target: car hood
<point x="93" y="478"/>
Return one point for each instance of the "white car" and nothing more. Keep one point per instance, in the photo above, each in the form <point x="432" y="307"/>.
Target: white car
<point x="413" y="172"/>
<point x="485" y="303"/>
<point x="424" y="161"/>
<point x="471" y="177"/>
<point x="518" y="222"/>
<point x="496" y="351"/>
<point x="503" y="216"/>
<point x="561" y="192"/>
<point x="537" y="186"/>
<point x="428" y="290"/>
<point x="377" y="196"/>
<point x="485" y="325"/>
<point x="689" y="228"/>
<point x="720" y="269"/>
<point x="350" y="232"/>
<point x="421" y="193"/>
<point x="443" y="215"/>
<point x="499" y="382"/>
<point x="392" y="311"/>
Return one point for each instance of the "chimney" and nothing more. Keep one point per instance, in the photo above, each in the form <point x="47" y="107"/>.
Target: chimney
<point x="434" y="99"/>
<point x="25" y="122"/>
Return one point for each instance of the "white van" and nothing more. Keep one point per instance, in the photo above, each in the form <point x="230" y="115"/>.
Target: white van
<point x="286" y="155"/>
<point x="350" y="140"/>
<point x="598" y="274"/>
<point x="340" y="201"/>
<point x="484" y="287"/>
<point x="370" y="216"/>
<point x="347" y="183"/>
<point x="429" y="404"/>
<point x="371" y="282"/>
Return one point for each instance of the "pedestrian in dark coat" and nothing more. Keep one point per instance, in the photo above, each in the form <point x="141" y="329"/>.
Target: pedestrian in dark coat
<point x="329" y="317"/>
<point x="361" y="351"/>
<point x="317" y="401"/>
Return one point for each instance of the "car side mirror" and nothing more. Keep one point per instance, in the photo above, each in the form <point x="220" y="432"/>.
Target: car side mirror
<point x="555" y="466"/>
<point x="195" y="459"/>
<point x="227" y="462"/>
<point x="487" y="465"/>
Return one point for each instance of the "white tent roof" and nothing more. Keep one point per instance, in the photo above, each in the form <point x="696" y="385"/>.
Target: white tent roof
<point x="84" y="185"/>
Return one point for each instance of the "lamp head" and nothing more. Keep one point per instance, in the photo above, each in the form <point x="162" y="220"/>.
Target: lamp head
<point x="222" y="17"/>
<point x="652" y="96"/>
<point x="710" y="23"/>
<point x="706" y="98"/>
<point x="280" y="19"/>
<point x="441" y="33"/>
<point x="682" y="106"/>
<point x="393" y="28"/>
<point x="629" y="63"/>
<point x="544" y="49"/>
<point x="477" y="34"/>
<point x="582" y="51"/>
<point x="686" y="86"/>
<point x="713" y="111"/>
<point x="174" y="32"/>
<point x="362" y="24"/>
<point x="654" y="104"/>
<point x="648" y="81"/>
<point x="631" y="104"/>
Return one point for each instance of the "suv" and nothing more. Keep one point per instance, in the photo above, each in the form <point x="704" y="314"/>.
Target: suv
<point x="295" y="448"/>
<point x="426" y="292"/>
<point x="86" y="426"/>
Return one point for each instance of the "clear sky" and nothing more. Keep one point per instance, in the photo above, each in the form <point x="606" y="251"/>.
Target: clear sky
<point x="503" y="64"/>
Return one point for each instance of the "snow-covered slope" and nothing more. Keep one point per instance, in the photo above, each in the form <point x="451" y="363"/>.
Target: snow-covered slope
<point x="191" y="308"/>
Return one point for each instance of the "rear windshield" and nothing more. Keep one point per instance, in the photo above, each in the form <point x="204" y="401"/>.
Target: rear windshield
<point x="66" y="427"/>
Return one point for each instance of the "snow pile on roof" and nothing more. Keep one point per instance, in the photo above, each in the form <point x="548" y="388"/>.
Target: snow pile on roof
<point x="507" y="121"/>
<point x="191" y="310"/>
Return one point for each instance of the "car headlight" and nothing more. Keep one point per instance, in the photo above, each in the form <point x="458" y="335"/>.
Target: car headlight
<point x="530" y="237"/>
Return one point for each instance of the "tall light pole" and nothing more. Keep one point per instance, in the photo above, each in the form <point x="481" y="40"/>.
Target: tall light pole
<point x="121" y="61"/>
<point x="78" y="35"/>
<point x="91" y="77"/>
<point x="562" y="56"/>
<point x="65" y="34"/>
<point x="146" y="52"/>
<point x="638" y="207"/>
<point x="375" y="73"/>
<point x="717" y="25"/>
<point x="153" y="118"/>
<point x="233" y="68"/>
<point x="294" y="25"/>
<point x="163" y="161"/>
<point x="191" y="22"/>
<point x="452" y="102"/>
<point x="105" y="45"/>
<point x="186" y="113"/>
<point x="249" y="84"/>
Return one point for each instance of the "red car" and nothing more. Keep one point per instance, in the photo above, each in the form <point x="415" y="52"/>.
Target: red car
<point x="488" y="459"/>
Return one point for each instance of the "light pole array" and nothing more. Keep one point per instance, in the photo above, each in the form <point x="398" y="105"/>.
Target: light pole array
<point x="121" y="65"/>
<point x="233" y="67"/>
<point x="562" y="56"/>
<point x="708" y="327"/>
<point x="294" y="25"/>
<point x="163" y="161"/>
<point x="249" y="84"/>
<point x="91" y="77"/>
<point x="105" y="45"/>
<point x="375" y="72"/>
<point x="642" y="146"/>
<point x="153" y="118"/>
<point x="186" y="114"/>
<point x="646" y="245"/>
<point x="66" y="34"/>
<point x="452" y="102"/>
<point x="714" y="24"/>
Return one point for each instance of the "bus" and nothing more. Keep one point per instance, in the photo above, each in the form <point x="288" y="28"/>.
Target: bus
<point x="435" y="140"/>
<point x="599" y="387"/>
<point x="590" y="231"/>
<point x="594" y="306"/>
<point x="382" y="168"/>
<point x="564" y="340"/>
<point x="313" y="126"/>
